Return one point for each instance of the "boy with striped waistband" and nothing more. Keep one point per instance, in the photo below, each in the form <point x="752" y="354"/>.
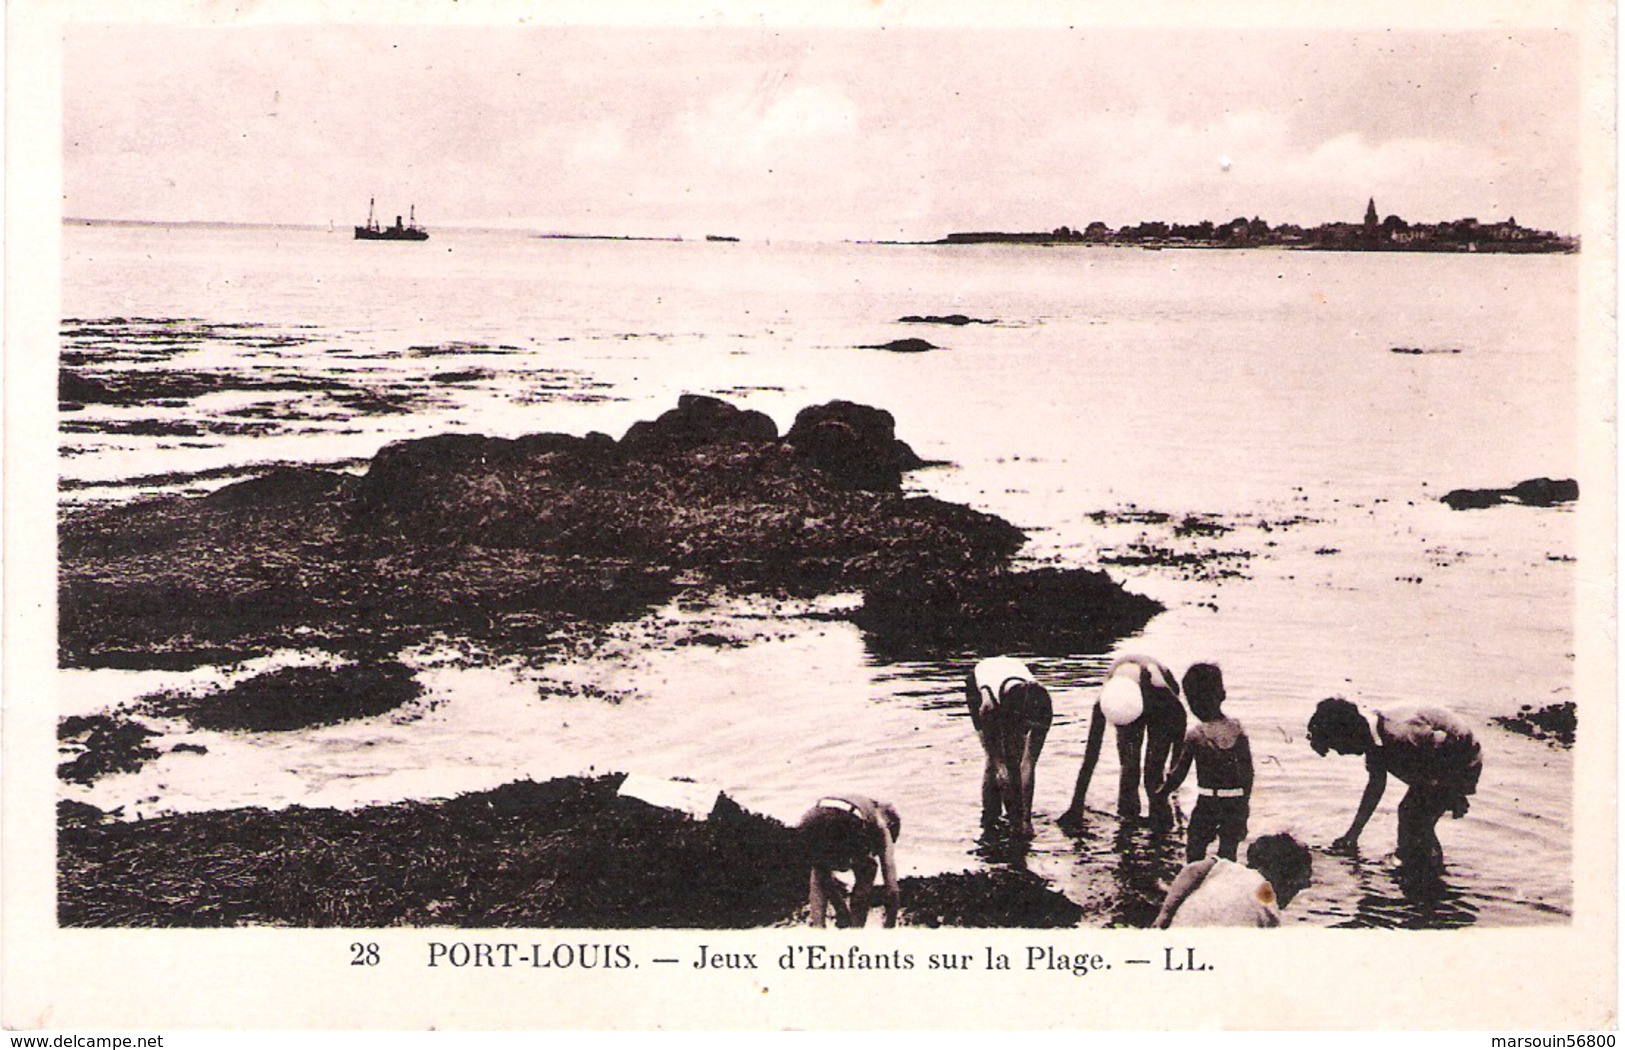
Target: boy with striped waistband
<point x="1224" y="768"/>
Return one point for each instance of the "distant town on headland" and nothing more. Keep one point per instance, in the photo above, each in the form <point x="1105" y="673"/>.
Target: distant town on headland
<point x="1392" y="234"/>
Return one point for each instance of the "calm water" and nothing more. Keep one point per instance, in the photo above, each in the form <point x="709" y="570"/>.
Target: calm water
<point x="1257" y="391"/>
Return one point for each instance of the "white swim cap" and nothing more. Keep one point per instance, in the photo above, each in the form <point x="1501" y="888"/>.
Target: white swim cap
<point x="1120" y="698"/>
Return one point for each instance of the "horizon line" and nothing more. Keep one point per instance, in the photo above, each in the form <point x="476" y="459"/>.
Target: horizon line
<point x="334" y="226"/>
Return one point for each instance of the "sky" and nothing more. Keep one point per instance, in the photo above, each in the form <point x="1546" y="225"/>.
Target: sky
<point x="814" y="133"/>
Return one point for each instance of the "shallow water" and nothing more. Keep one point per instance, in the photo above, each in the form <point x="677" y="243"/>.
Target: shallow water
<point x="1257" y="391"/>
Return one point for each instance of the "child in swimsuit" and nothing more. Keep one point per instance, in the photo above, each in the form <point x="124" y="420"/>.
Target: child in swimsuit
<point x="1155" y="731"/>
<point x="1011" y="713"/>
<point x="1429" y="749"/>
<point x="1218" y="747"/>
<point x="849" y="833"/>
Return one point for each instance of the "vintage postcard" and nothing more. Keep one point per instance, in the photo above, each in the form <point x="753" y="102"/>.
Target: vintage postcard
<point x="547" y="516"/>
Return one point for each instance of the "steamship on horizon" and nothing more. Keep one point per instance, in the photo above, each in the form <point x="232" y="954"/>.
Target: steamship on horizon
<point x="408" y="231"/>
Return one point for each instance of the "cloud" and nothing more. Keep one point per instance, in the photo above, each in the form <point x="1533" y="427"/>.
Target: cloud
<point x="895" y="134"/>
<point x="1126" y="167"/>
<point x="771" y="126"/>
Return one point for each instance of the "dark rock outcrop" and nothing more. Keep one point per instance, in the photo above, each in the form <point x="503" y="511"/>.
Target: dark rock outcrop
<point x="1536" y="492"/>
<point x="512" y="541"/>
<point x="696" y="422"/>
<point x="941" y="615"/>
<point x="856" y="446"/>
<point x="103" y="744"/>
<point x="412" y="477"/>
<point x="71" y="387"/>
<point x="999" y="898"/>
<point x="295" y="698"/>
<point x="1554" y="723"/>
<point x="903" y="346"/>
<point x="279" y="488"/>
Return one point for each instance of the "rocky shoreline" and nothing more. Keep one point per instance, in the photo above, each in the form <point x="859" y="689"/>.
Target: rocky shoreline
<point x="566" y="853"/>
<point x="512" y="542"/>
<point x="520" y="547"/>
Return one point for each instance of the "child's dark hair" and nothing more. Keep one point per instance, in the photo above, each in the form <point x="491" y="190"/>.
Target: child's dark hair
<point x="1282" y="856"/>
<point x="1204" y="690"/>
<point x="1334" y="719"/>
<point x="894" y="822"/>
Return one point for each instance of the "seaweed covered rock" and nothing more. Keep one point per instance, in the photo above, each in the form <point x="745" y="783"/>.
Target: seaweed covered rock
<point x="280" y="488"/>
<point x="903" y="346"/>
<point x="1554" y="723"/>
<point x="953" y="319"/>
<point x="996" y="898"/>
<point x="563" y="853"/>
<point x="1535" y="492"/>
<point x="516" y="541"/>
<point x="296" y="698"/>
<point x="73" y="388"/>
<point x="103" y="744"/>
<point x="696" y="422"/>
<point x="406" y="474"/>
<point x="855" y="446"/>
<point x="938" y="615"/>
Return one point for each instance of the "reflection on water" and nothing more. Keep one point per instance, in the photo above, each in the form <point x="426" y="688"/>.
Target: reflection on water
<point x="1390" y="897"/>
<point x="1139" y="860"/>
<point x="1147" y="860"/>
<point x="996" y="845"/>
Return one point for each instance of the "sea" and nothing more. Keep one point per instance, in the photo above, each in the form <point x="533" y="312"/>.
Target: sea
<point x="1257" y="439"/>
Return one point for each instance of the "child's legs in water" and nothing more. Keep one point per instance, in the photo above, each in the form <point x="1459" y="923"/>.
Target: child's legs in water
<point x="1232" y="826"/>
<point x="1130" y="744"/>
<point x="1204" y="827"/>
<point x="1419" y="813"/>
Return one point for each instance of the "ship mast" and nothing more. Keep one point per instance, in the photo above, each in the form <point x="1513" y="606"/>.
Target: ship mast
<point x="372" y="224"/>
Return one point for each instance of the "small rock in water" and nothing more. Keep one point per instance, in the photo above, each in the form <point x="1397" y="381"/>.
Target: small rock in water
<point x="1554" y="723"/>
<point x="953" y="319"/>
<point x="1536" y="492"/>
<point x="903" y="346"/>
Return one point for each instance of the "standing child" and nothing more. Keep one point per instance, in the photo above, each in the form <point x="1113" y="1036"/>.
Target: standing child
<point x="1224" y="768"/>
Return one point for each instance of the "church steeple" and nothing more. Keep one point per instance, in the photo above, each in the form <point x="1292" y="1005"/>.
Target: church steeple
<point x="1371" y="213"/>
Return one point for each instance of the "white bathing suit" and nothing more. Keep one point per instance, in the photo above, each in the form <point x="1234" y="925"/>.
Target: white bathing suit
<point x="996" y="672"/>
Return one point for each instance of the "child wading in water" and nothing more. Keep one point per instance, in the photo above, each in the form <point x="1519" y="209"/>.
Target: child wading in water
<point x="1224" y="768"/>
<point x="1430" y="749"/>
